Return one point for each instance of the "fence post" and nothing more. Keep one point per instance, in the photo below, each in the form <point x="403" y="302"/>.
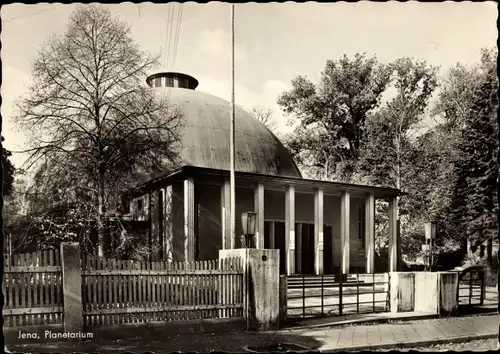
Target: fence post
<point x="340" y="295"/>
<point x="72" y="287"/>
<point x="482" y="283"/>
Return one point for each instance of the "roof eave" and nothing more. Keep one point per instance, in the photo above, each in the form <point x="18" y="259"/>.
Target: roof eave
<point x="184" y="171"/>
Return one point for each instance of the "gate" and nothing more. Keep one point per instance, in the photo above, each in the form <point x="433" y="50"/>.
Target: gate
<point x="471" y="287"/>
<point x="330" y="295"/>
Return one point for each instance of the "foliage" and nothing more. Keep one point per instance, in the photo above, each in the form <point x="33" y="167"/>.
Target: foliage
<point x="8" y="171"/>
<point x="94" y="124"/>
<point x="480" y="149"/>
<point x="362" y="123"/>
<point x="265" y="116"/>
<point x="387" y="155"/>
<point x="333" y="112"/>
<point x="474" y="203"/>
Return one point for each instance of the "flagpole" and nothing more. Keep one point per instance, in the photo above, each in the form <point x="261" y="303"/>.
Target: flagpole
<point x="232" y="140"/>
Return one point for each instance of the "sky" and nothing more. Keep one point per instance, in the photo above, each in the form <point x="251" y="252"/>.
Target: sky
<point x="273" y="42"/>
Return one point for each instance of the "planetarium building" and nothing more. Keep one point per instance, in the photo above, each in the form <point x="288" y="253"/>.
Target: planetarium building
<point x="319" y="227"/>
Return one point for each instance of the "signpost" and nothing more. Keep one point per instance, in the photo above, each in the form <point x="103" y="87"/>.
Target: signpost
<point x="232" y="140"/>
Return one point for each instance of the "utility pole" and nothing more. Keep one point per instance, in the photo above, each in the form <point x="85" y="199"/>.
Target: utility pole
<point x="232" y="139"/>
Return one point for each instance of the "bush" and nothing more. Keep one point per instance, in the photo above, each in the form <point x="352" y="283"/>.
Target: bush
<point x="491" y="276"/>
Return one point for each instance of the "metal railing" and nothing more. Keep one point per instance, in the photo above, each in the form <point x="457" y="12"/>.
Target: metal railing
<point x="324" y="295"/>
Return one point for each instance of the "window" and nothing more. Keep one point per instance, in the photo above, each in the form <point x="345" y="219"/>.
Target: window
<point x="140" y="205"/>
<point x="158" y="82"/>
<point x="170" y="81"/>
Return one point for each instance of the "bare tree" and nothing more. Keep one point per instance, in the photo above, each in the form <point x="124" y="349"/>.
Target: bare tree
<point x="91" y="117"/>
<point x="265" y="116"/>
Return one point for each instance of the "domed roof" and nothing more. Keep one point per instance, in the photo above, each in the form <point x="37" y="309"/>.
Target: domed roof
<point x="206" y="129"/>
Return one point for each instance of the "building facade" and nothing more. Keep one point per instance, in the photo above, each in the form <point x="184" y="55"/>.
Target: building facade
<point x="319" y="227"/>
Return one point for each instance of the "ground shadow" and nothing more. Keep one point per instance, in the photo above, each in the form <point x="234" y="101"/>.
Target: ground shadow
<point x="139" y="339"/>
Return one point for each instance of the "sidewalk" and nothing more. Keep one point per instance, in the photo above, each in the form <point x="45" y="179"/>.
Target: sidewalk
<point x="403" y="334"/>
<point x="355" y="319"/>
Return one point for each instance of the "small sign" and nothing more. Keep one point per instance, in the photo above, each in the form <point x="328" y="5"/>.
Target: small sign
<point x="292" y="239"/>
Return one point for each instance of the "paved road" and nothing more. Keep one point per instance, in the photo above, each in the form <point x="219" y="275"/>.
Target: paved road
<point x="404" y="333"/>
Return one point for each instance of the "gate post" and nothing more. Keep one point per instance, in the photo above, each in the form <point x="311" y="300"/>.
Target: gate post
<point x="72" y="287"/>
<point x="283" y="298"/>
<point x="261" y="284"/>
<point x="482" y="283"/>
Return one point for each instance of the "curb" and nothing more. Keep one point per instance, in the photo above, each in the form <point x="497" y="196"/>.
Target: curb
<point x="363" y="322"/>
<point x="412" y="344"/>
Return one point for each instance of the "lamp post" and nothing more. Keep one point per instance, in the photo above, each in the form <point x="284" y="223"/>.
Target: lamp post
<point x="248" y="222"/>
<point x="430" y="235"/>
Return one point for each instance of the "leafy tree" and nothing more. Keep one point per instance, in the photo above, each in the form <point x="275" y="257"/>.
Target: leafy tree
<point x="479" y="166"/>
<point x="94" y="124"/>
<point x="265" y="116"/>
<point x="387" y="154"/>
<point x="466" y="110"/>
<point x="7" y="171"/>
<point x="333" y="112"/>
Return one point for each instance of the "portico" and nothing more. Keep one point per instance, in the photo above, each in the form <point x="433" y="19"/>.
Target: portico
<point x="319" y="227"/>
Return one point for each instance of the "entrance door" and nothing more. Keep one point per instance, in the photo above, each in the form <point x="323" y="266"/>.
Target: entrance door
<point x="279" y="240"/>
<point x="328" y="250"/>
<point x="307" y="248"/>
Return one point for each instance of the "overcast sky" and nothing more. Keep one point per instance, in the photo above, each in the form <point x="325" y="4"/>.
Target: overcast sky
<point x="274" y="42"/>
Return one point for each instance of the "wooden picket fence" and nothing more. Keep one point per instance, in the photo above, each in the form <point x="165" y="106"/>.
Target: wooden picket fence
<point x="32" y="289"/>
<point x="115" y="292"/>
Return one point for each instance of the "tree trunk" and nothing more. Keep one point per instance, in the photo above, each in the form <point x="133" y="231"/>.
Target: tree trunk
<point x="100" y="214"/>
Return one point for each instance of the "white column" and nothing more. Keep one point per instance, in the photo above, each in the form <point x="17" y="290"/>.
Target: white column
<point x="259" y="209"/>
<point x="299" y="249"/>
<point x="393" y="234"/>
<point x="290" y="229"/>
<point x="189" y="210"/>
<point x="318" y="231"/>
<point x="370" y="233"/>
<point x="226" y="214"/>
<point x="168" y="229"/>
<point x="345" y="228"/>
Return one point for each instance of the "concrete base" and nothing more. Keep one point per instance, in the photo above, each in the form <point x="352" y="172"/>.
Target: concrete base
<point x="261" y="286"/>
<point x="402" y="291"/>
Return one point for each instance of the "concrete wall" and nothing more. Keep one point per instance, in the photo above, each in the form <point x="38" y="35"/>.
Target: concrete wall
<point x="427" y="292"/>
<point x="430" y="292"/>
<point x="402" y="289"/>
<point x="448" y="285"/>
